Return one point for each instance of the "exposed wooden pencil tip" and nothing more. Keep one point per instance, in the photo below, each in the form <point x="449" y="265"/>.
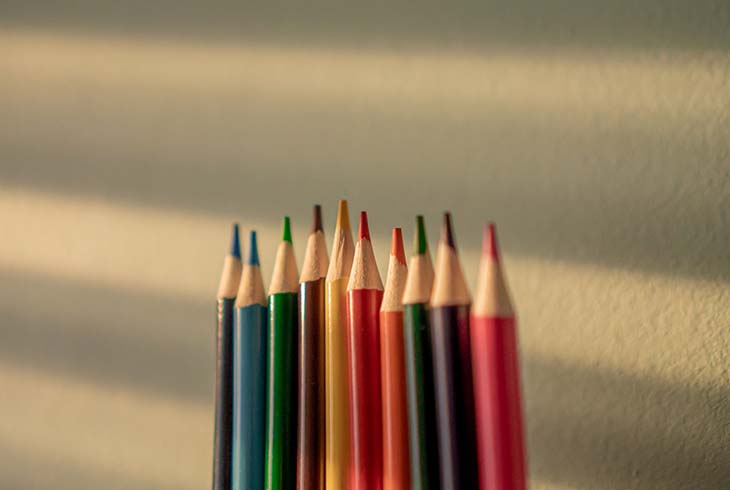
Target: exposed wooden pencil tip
<point x="235" y="242"/>
<point x="364" y="273"/>
<point x="364" y="230"/>
<point x="317" y="218"/>
<point x="286" y="235"/>
<point x="447" y="232"/>
<point x="420" y="245"/>
<point x="253" y="249"/>
<point x="396" y="246"/>
<point x="489" y="242"/>
<point x="343" y="248"/>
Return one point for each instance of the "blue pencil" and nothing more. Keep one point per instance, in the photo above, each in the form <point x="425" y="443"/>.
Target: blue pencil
<point x="249" y="377"/>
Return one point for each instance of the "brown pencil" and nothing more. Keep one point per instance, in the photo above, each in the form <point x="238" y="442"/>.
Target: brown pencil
<point x="310" y="399"/>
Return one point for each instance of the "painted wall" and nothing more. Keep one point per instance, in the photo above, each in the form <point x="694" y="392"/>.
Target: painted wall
<point x="597" y="136"/>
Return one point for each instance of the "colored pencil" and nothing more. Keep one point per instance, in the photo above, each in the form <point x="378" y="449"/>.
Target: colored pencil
<point x="364" y="294"/>
<point x="452" y="367"/>
<point x="423" y="443"/>
<point x="500" y="438"/>
<point x="310" y="400"/>
<point x="249" y="376"/>
<point x="337" y="445"/>
<point x="224" y="366"/>
<point x="281" y="379"/>
<point x="396" y="470"/>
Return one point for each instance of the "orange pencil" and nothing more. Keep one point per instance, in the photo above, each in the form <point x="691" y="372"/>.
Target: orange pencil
<point x="396" y="470"/>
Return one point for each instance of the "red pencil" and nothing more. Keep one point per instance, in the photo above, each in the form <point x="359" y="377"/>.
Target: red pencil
<point x="498" y="405"/>
<point x="396" y="468"/>
<point x="364" y="294"/>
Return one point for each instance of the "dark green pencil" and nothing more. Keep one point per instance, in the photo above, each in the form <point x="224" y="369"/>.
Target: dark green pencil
<point x="422" y="437"/>
<point x="281" y="379"/>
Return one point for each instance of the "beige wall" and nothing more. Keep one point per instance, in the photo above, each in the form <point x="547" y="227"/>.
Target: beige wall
<point x="597" y="136"/>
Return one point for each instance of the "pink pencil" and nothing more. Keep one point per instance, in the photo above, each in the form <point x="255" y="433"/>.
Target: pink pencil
<point x="495" y="365"/>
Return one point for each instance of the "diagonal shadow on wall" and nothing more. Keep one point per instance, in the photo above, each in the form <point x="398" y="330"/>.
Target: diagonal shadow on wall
<point x="622" y="24"/>
<point x="594" y="199"/>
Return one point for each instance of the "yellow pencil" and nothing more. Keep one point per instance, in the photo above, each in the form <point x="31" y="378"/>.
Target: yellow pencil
<point x="337" y="445"/>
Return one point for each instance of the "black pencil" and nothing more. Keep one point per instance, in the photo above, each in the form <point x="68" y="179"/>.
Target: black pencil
<point x="223" y="434"/>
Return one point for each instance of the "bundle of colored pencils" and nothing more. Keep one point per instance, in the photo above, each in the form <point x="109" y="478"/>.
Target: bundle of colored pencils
<point x="333" y="381"/>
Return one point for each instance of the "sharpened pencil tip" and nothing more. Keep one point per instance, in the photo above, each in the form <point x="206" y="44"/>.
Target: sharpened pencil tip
<point x="420" y="245"/>
<point x="286" y="235"/>
<point x="447" y="232"/>
<point x="396" y="246"/>
<point x="489" y="242"/>
<point x="343" y="215"/>
<point x="235" y="243"/>
<point x="364" y="230"/>
<point x="253" y="249"/>
<point x="316" y="218"/>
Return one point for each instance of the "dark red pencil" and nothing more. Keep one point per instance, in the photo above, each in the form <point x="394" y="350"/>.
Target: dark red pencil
<point x="495" y="363"/>
<point x="364" y="294"/>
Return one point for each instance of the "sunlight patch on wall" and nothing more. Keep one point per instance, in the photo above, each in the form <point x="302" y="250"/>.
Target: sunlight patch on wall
<point x="123" y="245"/>
<point x="573" y="311"/>
<point x="538" y="80"/>
<point x="128" y="246"/>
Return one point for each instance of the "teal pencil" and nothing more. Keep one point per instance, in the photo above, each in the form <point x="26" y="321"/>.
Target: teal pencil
<point x="249" y="376"/>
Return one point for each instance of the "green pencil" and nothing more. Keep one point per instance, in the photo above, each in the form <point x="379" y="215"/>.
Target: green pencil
<point x="423" y="443"/>
<point x="281" y="381"/>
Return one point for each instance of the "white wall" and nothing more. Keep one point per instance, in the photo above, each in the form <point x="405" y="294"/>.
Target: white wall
<point x="598" y="138"/>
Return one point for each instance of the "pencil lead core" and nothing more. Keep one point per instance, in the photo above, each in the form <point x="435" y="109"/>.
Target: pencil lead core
<point x="447" y="232"/>
<point x="343" y="215"/>
<point x="396" y="246"/>
<point x="235" y="243"/>
<point x="489" y="243"/>
<point x="317" y="218"/>
<point x="364" y="231"/>
<point x="253" y="249"/>
<point x="420" y="245"/>
<point x="286" y="236"/>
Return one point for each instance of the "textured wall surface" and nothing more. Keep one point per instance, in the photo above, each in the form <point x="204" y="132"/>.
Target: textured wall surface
<point x="597" y="135"/>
